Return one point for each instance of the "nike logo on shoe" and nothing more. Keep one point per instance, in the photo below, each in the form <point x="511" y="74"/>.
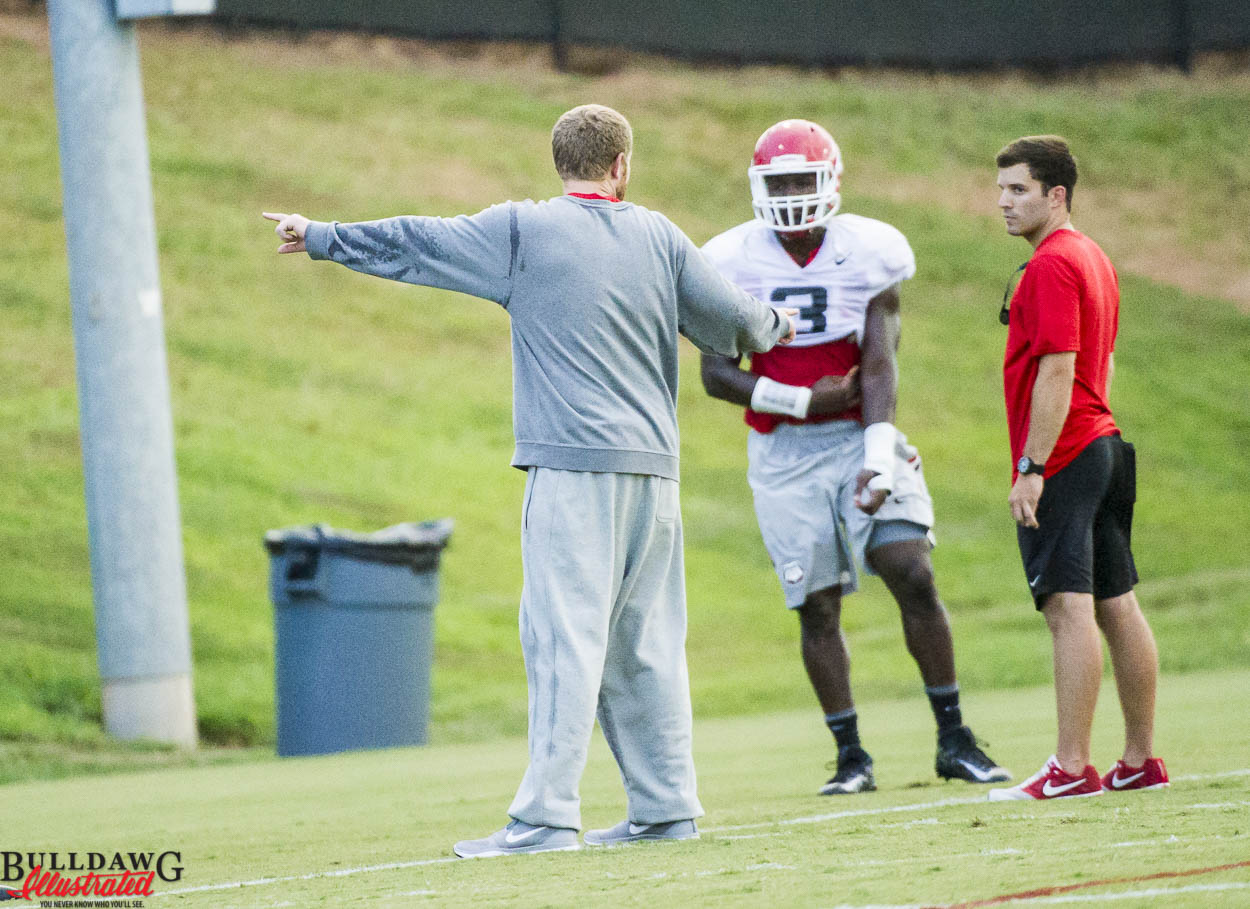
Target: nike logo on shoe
<point x="1049" y="777"/>
<point x="1118" y="783"/>
<point x="1050" y="791"/>
<point x="982" y="775"/>
<point x="635" y="829"/>
<point x="513" y="838"/>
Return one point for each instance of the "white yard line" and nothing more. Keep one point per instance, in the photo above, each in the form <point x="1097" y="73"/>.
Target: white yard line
<point x="1190" y="777"/>
<point x="1157" y="841"/>
<point x="911" y="860"/>
<point x="786" y="822"/>
<point x="832" y="816"/>
<point x="835" y="815"/>
<point x="313" y="875"/>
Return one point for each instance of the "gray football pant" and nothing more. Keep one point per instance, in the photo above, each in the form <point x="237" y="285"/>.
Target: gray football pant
<point x="603" y="630"/>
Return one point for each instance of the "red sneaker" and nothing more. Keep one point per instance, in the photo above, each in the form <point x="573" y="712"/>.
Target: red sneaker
<point x="1150" y="775"/>
<point x="1052" y="782"/>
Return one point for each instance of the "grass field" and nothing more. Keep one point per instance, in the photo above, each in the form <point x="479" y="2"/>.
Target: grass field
<point x="303" y="393"/>
<point x="375" y="828"/>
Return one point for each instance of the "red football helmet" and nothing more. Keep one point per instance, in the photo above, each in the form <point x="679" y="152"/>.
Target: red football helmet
<point x="796" y="147"/>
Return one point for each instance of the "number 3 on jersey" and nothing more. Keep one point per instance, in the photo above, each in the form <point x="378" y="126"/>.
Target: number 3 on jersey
<point x="811" y="316"/>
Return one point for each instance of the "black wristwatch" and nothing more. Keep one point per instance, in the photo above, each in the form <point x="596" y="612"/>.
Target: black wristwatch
<point x="1027" y="465"/>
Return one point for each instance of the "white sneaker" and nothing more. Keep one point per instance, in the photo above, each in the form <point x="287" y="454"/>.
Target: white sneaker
<point x="519" y="837"/>
<point x="629" y="832"/>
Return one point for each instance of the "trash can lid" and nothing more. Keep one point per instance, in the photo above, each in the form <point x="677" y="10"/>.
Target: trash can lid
<point x="410" y="543"/>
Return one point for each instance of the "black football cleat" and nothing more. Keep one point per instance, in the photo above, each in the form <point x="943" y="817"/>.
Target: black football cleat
<point x="854" y="773"/>
<point x="960" y="758"/>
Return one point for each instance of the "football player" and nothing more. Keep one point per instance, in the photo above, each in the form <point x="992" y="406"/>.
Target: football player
<point x="835" y="484"/>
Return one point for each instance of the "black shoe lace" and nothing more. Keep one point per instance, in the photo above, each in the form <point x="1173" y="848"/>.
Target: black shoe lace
<point x="973" y="748"/>
<point x="844" y="769"/>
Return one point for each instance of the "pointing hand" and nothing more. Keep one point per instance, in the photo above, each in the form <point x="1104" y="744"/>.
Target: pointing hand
<point x="291" y="229"/>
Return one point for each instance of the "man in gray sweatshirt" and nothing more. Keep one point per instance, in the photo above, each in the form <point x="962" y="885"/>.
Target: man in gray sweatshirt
<point x="598" y="290"/>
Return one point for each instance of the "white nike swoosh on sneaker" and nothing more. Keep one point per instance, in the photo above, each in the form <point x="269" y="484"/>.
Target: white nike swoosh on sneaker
<point x="1051" y="791"/>
<point x="1117" y="783"/>
<point x="982" y="775"/>
<point x="635" y="829"/>
<point x="512" y="839"/>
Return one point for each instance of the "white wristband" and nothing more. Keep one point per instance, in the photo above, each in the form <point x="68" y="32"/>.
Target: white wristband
<point x="879" y="439"/>
<point x="776" y="397"/>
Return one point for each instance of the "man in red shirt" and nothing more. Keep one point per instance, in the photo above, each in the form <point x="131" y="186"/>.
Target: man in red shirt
<point x="1074" y="476"/>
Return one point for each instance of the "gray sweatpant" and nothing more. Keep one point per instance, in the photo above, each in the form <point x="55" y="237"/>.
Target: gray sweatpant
<point x="603" y="630"/>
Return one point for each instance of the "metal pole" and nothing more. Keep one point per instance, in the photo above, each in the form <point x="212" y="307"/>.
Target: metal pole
<point x="142" y="633"/>
<point x="1182" y="36"/>
<point x="559" y="50"/>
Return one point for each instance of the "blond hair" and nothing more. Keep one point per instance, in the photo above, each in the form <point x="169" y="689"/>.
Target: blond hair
<point x="586" y="140"/>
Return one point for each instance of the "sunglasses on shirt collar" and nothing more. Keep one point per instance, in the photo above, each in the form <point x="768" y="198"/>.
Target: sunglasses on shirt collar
<point x="1004" y="314"/>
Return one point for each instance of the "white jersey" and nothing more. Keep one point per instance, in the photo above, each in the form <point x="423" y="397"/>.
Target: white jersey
<point x="859" y="258"/>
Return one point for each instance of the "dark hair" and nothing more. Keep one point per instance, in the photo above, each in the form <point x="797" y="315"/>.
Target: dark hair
<point x="1049" y="159"/>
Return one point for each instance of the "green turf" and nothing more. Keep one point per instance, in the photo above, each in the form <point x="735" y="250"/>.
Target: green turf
<point x="768" y="840"/>
<point x="304" y="393"/>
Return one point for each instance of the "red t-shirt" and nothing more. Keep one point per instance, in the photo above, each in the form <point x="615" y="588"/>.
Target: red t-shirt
<point x="1067" y="300"/>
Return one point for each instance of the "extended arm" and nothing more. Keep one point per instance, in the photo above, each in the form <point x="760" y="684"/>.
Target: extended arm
<point x="719" y="317"/>
<point x="470" y="254"/>
<point x="879" y="380"/>
<point x="1110" y="375"/>
<point x="1052" y="396"/>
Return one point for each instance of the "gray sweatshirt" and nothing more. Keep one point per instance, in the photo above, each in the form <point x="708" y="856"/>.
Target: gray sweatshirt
<point x="597" y="292"/>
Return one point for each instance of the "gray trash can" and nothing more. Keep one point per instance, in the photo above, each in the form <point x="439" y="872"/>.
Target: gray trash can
<point x="354" y="634"/>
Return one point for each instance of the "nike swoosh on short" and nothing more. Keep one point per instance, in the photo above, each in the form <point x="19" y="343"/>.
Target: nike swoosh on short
<point x="1051" y="791"/>
<point x="1117" y="783"/>
<point x="1037" y="580"/>
<point x="520" y="837"/>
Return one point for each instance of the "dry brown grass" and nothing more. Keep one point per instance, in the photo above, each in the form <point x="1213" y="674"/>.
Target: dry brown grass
<point x="1149" y="247"/>
<point x="1139" y="230"/>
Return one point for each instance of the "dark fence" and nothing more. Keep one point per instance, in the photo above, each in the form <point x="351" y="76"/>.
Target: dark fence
<point x="915" y="33"/>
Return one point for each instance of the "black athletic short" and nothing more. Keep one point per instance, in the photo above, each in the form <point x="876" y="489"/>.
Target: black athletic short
<point x="1085" y="518"/>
